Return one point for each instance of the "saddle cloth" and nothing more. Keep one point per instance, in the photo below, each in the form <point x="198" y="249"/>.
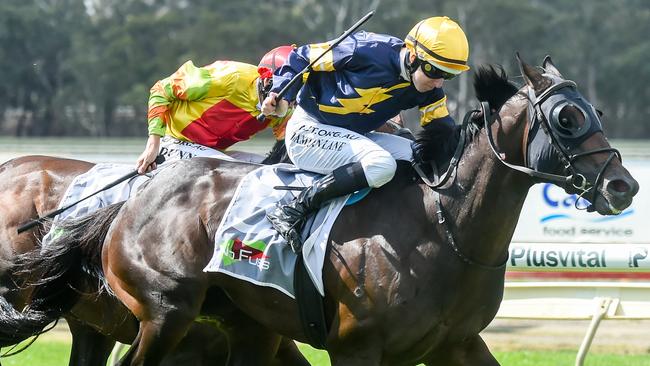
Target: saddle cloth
<point x="103" y="174"/>
<point x="248" y="247"/>
<point x="90" y="182"/>
<point x="174" y="149"/>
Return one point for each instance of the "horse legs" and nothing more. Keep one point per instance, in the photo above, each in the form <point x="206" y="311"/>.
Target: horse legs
<point x="244" y="333"/>
<point x="238" y="330"/>
<point x="472" y="351"/>
<point x="357" y="352"/>
<point x="204" y="344"/>
<point x="128" y="356"/>
<point x="157" y="337"/>
<point x="289" y="354"/>
<point x="89" y="347"/>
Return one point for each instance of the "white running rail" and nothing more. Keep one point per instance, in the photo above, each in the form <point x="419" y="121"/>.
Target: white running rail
<point x="578" y="300"/>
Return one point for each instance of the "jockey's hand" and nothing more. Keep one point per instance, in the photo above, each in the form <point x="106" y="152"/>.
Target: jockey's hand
<point x="273" y="107"/>
<point x="146" y="161"/>
<point x="418" y="153"/>
<point x="477" y="115"/>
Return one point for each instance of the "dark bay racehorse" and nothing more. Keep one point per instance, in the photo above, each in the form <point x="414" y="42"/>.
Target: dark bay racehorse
<point x="31" y="186"/>
<point x="412" y="274"/>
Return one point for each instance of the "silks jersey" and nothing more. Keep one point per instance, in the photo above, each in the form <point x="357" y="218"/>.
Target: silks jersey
<point x="214" y="106"/>
<point x="358" y="85"/>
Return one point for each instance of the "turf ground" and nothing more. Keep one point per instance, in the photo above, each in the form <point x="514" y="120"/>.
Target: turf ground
<point x="55" y="353"/>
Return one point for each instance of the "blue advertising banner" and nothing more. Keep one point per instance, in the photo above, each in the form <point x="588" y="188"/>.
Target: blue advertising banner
<point x="549" y="215"/>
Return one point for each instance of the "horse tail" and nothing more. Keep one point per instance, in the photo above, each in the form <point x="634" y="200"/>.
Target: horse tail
<point x="58" y="272"/>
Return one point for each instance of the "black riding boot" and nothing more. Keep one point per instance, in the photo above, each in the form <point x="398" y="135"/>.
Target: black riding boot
<point x="289" y="219"/>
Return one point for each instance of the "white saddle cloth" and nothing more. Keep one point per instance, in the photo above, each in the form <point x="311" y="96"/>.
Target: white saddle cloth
<point x="248" y="247"/>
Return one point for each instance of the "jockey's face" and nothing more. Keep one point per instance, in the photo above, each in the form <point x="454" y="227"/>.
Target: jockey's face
<point x="423" y="83"/>
<point x="263" y="88"/>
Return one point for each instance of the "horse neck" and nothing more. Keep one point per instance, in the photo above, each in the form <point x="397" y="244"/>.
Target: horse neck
<point x="487" y="197"/>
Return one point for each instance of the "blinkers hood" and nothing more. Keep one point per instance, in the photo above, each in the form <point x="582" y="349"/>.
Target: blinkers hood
<point x="544" y="156"/>
<point x="554" y="135"/>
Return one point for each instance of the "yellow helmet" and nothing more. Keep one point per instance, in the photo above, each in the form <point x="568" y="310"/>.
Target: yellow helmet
<point x="441" y="42"/>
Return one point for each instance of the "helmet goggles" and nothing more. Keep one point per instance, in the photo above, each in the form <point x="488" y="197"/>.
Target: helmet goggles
<point x="433" y="72"/>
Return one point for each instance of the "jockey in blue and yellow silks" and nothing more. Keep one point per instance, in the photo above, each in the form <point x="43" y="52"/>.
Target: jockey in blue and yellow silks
<point x="360" y="84"/>
<point x="352" y="90"/>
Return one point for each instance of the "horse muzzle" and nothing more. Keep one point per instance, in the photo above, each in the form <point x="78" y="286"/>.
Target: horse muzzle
<point x="615" y="194"/>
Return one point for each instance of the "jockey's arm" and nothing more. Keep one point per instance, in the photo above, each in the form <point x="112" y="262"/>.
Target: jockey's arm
<point x="391" y="126"/>
<point x="279" y="128"/>
<point x="187" y="83"/>
<point x="434" y="110"/>
<point x="297" y="61"/>
<point x="146" y="161"/>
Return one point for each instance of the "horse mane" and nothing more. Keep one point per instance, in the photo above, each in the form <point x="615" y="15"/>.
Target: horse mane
<point x="278" y="154"/>
<point x="491" y="85"/>
<point x="439" y="140"/>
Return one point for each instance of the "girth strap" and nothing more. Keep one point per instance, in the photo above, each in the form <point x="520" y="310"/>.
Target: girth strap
<point x="310" y="306"/>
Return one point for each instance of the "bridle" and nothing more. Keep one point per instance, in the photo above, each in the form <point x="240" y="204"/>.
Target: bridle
<point x="439" y="181"/>
<point x="541" y="114"/>
<point x="543" y="111"/>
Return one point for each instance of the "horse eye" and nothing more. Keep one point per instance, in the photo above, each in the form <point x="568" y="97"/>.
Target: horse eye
<point x="569" y="118"/>
<point x="564" y="122"/>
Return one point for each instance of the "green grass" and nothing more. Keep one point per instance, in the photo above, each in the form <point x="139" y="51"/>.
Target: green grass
<point x="314" y="356"/>
<point x="56" y="353"/>
<point x="524" y="358"/>
<point x="567" y="358"/>
<point x="41" y="353"/>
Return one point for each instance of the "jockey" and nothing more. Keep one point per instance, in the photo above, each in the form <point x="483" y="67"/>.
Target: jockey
<point x="351" y="91"/>
<point x="200" y="111"/>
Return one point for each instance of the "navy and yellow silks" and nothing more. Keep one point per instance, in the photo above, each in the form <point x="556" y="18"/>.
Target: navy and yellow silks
<point x="359" y="84"/>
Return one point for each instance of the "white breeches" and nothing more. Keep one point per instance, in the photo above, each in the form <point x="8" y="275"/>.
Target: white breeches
<point x="321" y="148"/>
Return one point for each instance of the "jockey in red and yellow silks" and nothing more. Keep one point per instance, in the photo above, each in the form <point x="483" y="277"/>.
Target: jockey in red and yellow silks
<point x="209" y="108"/>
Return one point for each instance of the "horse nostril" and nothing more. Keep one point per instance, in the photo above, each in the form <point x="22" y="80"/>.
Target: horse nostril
<point x="618" y="186"/>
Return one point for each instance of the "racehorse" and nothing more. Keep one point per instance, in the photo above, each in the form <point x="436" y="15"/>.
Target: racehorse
<point x="29" y="187"/>
<point x="33" y="185"/>
<point x="413" y="272"/>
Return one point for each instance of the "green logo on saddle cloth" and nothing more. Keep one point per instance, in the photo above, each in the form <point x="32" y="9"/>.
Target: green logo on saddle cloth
<point x="235" y="251"/>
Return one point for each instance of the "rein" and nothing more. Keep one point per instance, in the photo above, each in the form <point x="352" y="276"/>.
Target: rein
<point x="438" y="182"/>
<point x="546" y="177"/>
<point x="450" y="236"/>
<point x="572" y="179"/>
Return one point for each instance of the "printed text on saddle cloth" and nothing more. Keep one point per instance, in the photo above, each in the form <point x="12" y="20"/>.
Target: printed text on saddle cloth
<point x="173" y="149"/>
<point x="321" y="148"/>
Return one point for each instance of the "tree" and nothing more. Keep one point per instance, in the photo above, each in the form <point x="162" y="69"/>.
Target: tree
<point x="85" y="67"/>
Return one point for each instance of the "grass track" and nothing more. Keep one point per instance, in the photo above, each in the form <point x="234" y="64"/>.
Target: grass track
<point x="56" y="353"/>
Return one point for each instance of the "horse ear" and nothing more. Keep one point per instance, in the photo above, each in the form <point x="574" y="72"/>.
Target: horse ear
<point x="532" y="76"/>
<point x="550" y="67"/>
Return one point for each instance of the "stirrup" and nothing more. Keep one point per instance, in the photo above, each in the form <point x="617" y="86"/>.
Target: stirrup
<point x="293" y="236"/>
<point x="295" y="244"/>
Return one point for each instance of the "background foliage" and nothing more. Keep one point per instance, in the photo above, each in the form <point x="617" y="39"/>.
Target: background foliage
<point x="84" y="67"/>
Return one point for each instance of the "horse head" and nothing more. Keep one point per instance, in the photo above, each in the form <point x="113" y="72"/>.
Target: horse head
<point x="563" y="141"/>
<point x="544" y="131"/>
